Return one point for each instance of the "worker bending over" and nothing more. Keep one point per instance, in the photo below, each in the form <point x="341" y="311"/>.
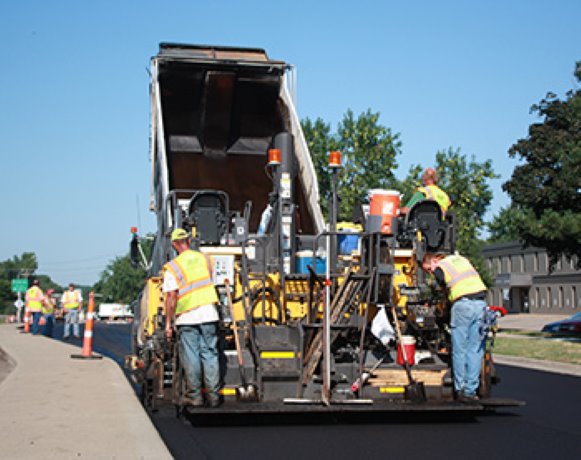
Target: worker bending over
<point x="429" y="191"/>
<point x="467" y="293"/>
<point x="191" y="308"/>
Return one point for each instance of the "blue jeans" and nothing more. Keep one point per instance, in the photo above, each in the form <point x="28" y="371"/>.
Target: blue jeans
<point x="467" y="344"/>
<point x="71" y="317"/>
<point x="199" y="357"/>
<point x="35" y="319"/>
<point x="48" y="326"/>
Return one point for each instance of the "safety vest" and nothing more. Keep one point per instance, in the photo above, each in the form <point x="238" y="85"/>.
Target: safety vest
<point x="71" y="300"/>
<point x="47" y="310"/>
<point x="195" y="287"/>
<point x="433" y="192"/>
<point x="461" y="277"/>
<point x="34" y="298"/>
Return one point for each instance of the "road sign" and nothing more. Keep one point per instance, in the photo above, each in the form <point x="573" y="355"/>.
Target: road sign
<point x="19" y="303"/>
<point x="19" y="285"/>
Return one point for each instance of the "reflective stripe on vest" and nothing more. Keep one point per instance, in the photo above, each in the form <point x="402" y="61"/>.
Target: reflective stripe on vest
<point x="71" y="300"/>
<point x="34" y="299"/>
<point x="461" y="277"/>
<point x="433" y="192"/>
<point x="195" y="287"/>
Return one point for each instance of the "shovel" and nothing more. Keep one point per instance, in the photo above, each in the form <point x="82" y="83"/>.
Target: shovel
<point x="245" y="391"/>
<point x="414" y="391"/>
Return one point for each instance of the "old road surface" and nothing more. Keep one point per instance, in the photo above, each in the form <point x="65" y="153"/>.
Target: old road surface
<point x="549" y="426"/>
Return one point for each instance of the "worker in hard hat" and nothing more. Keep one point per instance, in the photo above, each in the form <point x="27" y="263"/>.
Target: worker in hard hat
<point x="48" y="307"/>
<point x="33" y="298"/>
<point x="72" y="301"/>
<point x="429" y="191"/>
<point x="467" y="293"/>
<point x="191" y="310"/>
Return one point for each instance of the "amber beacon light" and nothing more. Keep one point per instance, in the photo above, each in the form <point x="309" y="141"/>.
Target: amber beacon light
<point x="273" y="157"/>
<point x="335" y="159"/>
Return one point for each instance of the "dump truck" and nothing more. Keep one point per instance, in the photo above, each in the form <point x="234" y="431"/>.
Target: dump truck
<point x="306" y="322"/>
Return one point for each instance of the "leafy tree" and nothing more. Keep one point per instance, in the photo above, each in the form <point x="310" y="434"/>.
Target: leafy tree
<point x="120" y="281"/>
<point x="320" y="141"/>
<point x="504" y="226"/>
<point x="23" y="266"/>
<point x="369" y="152"/>
<point x="546" y="187"/>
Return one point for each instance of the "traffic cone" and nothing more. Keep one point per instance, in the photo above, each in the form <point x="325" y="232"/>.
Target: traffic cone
<point x="87" y="352"/>
<point x="26" y="320"/>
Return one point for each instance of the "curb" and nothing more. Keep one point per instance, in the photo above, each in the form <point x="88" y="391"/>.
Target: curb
<point x="539" y="365"/>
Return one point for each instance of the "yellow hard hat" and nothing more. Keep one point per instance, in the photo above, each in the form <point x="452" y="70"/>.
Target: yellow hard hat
<point x="179" y="234"/>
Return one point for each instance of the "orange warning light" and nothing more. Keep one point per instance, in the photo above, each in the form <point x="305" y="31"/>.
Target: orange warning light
<point x="273" y="157"/>
<point x="334" y="159"/>
<point x="133" y="229"/>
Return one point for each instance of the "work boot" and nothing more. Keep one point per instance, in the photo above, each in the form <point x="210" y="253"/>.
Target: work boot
<point x="214" y="401"/>
<point x="468" y="399"/>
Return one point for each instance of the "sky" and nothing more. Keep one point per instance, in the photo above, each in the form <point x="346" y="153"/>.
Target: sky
<point x="74" y="97"/>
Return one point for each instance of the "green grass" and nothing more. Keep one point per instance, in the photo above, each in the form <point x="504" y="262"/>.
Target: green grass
<point x="544" y="349"/>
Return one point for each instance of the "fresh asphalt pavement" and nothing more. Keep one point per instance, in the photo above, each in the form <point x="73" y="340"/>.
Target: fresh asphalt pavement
<point x="548" y="425"/>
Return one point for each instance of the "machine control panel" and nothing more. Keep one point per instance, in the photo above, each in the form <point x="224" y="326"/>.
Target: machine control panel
<point x="223" y="269"/>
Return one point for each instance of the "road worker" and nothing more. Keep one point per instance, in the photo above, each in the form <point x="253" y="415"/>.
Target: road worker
<point x="72" y="304"/>
<point x="467" y="294"/>
<point x="191" y="309"/>
<point x="429" y="191"/>
<point x="34" y="298"/>
<point x="48" y="307"/>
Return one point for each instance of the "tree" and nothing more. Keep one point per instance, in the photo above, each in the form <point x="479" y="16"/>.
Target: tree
<point x="369" y="152"/>
<point x="546" y="187"/>
<point x="504" y="226"/>
<point x="120" y="281"/>
<point x="320" y="141"/>
<point x="23" y="266"/>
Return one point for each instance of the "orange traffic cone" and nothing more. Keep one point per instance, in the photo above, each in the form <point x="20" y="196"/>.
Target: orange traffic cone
<point x="26" y="320"/>
<point x="87" y="352"/>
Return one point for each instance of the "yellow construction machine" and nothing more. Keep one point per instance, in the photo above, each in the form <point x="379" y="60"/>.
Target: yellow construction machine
<point x="309" y="313"/>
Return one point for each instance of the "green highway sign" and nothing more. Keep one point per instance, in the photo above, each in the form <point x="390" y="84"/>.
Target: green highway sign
<point x="19" y="285"/>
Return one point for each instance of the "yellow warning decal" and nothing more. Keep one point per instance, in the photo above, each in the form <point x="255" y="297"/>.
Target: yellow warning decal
<point x="277" y="354"/>
<point x="392" y="390"/>
<point x="228" y="391"/>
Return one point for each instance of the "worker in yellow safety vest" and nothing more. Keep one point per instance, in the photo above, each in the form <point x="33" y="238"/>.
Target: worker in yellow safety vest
<point x="33" y="302"/>
<point x="467" y="294"/>
<point x="190" y="302"/>
<point x="429" y="191"/>
<point x="72" y="305"/>
<point x="48" y="306"/>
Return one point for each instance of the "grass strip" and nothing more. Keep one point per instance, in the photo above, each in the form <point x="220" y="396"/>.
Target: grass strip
<point x="545" y="349"/>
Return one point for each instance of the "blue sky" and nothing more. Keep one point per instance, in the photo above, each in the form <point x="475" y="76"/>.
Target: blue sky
<point x="74" y="105"/>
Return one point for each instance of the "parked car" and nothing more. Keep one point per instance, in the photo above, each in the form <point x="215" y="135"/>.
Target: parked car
<point x="568" y="326"/>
